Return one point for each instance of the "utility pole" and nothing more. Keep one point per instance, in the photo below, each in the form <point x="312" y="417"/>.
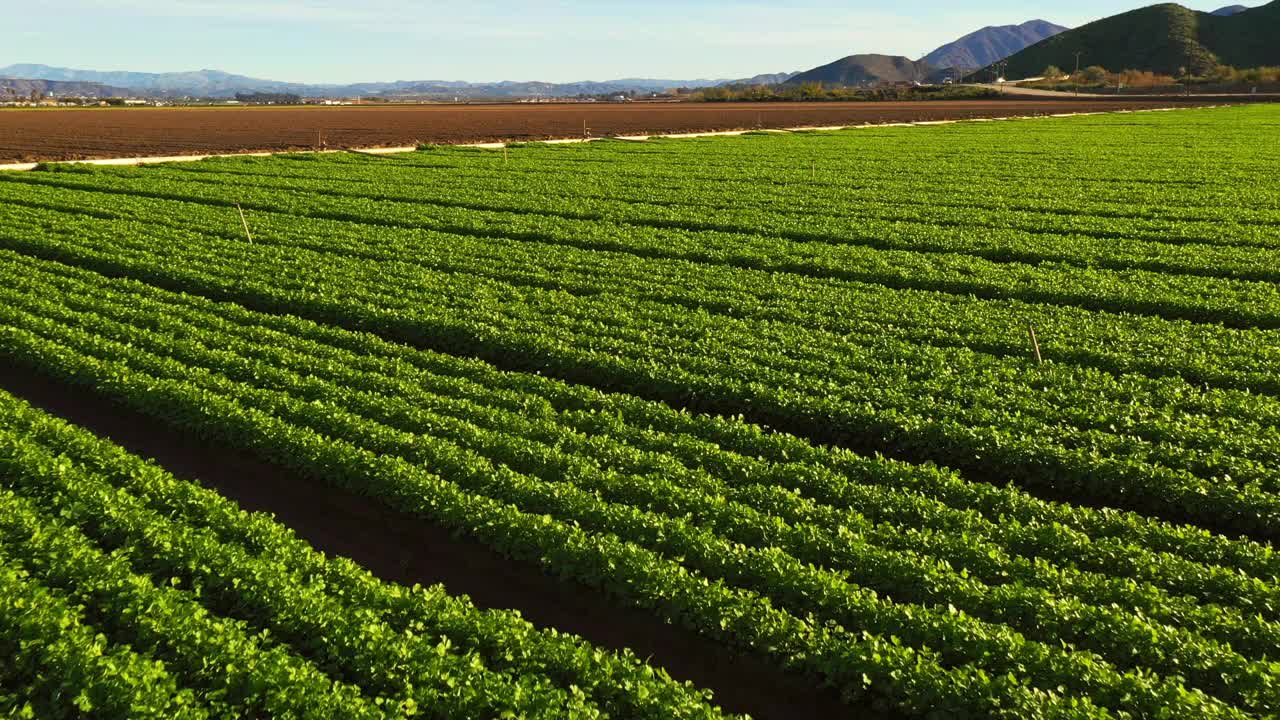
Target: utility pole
<point x="1189" y="73"/>
<point x="1076" y="75"/>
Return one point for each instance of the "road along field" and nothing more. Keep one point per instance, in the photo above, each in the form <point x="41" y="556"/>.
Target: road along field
<point x="776" y="394"/>
<point x="33" y="135"/>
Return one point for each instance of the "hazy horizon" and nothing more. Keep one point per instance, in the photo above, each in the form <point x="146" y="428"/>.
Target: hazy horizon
<point x="328" y="41"/>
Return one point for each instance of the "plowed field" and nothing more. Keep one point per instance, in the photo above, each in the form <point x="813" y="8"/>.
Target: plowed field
<point x="30" y="135"/>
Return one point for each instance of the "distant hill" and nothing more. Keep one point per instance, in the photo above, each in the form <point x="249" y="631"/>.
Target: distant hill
<point x="205" y="83"/>
<point x="981" y="48"/>
<point x="867" y="70"/>
<point x="1230" y="10"/>
<point x="766" y="79"/>
<point x="1163" y="39"/>
<point x="22" y="88"/>
<point x="219" y="84"/>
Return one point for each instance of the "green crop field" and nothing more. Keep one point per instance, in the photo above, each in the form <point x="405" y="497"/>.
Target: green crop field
<point x="777" y="394"/>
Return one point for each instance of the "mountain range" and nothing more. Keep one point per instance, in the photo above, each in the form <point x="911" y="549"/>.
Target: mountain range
<point x="219" y="84"/>
<point x="766" y="79"/>
<point x="867" y="69"/>
<point x="11" y="88"/>
<point x="1161" y="38"/>
<point x="985" y="46"/>
<point x="972" y="50"/>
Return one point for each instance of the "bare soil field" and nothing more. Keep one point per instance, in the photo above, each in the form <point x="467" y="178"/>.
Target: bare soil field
<point x="33" y="135"/>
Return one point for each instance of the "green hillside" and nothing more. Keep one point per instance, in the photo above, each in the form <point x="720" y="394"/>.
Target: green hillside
<point x="1162" y="38"/>
<point x="867" y="69"/>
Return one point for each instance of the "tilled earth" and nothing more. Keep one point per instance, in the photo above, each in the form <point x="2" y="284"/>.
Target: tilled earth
<point x="76" y="134"/>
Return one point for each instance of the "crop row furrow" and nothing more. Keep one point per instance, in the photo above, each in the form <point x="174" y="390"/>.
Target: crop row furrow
<point x="557" y="195"/>
<point x="819" y="183"/>
<point x="551" y="464"/>
<point x="726" y="448"/>
<point x="1081" y="337"/>
<point x="1236" y="303"/>
<point x="350" y="643"/>
<point x="146" y="497"/>
<point x="1167" y="491"/>
<point x="1192" y="430"/>
<point x="858" y="662"/>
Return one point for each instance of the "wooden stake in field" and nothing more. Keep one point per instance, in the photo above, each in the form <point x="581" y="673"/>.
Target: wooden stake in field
<point x="244" y="223"/>
<point x="504" y="153"/>
<point x="1035" y="344"/>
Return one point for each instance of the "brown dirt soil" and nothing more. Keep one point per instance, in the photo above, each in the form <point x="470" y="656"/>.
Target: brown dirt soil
<point x="76" y="134"/>
<point x="402" y="549"/>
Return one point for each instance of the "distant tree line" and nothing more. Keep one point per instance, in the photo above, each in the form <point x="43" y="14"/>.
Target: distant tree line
<point x="269" y="98"/>
<point x="1227" y="75"/>
<point x="1098" y="77"/>
<point x="817" y="92"/>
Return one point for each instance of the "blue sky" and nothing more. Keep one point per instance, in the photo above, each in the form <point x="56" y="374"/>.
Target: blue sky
<point x="487" y="40"/>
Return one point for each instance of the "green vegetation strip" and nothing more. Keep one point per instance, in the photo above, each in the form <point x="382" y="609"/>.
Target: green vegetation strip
<point x="835" y="387"/>
<point x="681" y="524"/>
<point x="524" y="348"/>
<point x="179" y="572"/>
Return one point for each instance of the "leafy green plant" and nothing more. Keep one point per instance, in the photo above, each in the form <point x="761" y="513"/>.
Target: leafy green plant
<point x="776" y="390"/>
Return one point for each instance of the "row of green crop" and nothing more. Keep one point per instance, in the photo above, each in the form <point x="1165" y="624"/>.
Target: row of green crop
<point x="56" y="666"/>
<point x="1200" y="353"/>
<point x="402" y="398"/>
<point x="824" y="191"/>
<point x="1239" y="303"/>
<point x="1241" y="473"/>
<point x="854" y="661"/>
<point x="1186" y="432"/>
<point x="1070" y="178"/>
<point x="228" y="605"/>
<point x="837" y="206"/>
<point x="769" y="570"/>
<point x="780" y="176"/>
<point x="725" y="253"/>
<point x="1241" y="359"/>
<point x="700" y="442"/>
<point x="615" y="342"/>
<point x="1085" y="158"/>
<point x="938" y="217"/>
<point x="802" y="250"/>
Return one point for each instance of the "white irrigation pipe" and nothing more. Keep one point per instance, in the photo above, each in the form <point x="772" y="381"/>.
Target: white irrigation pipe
<point x="193" y="158"/>
<point x="575" y="141"/>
